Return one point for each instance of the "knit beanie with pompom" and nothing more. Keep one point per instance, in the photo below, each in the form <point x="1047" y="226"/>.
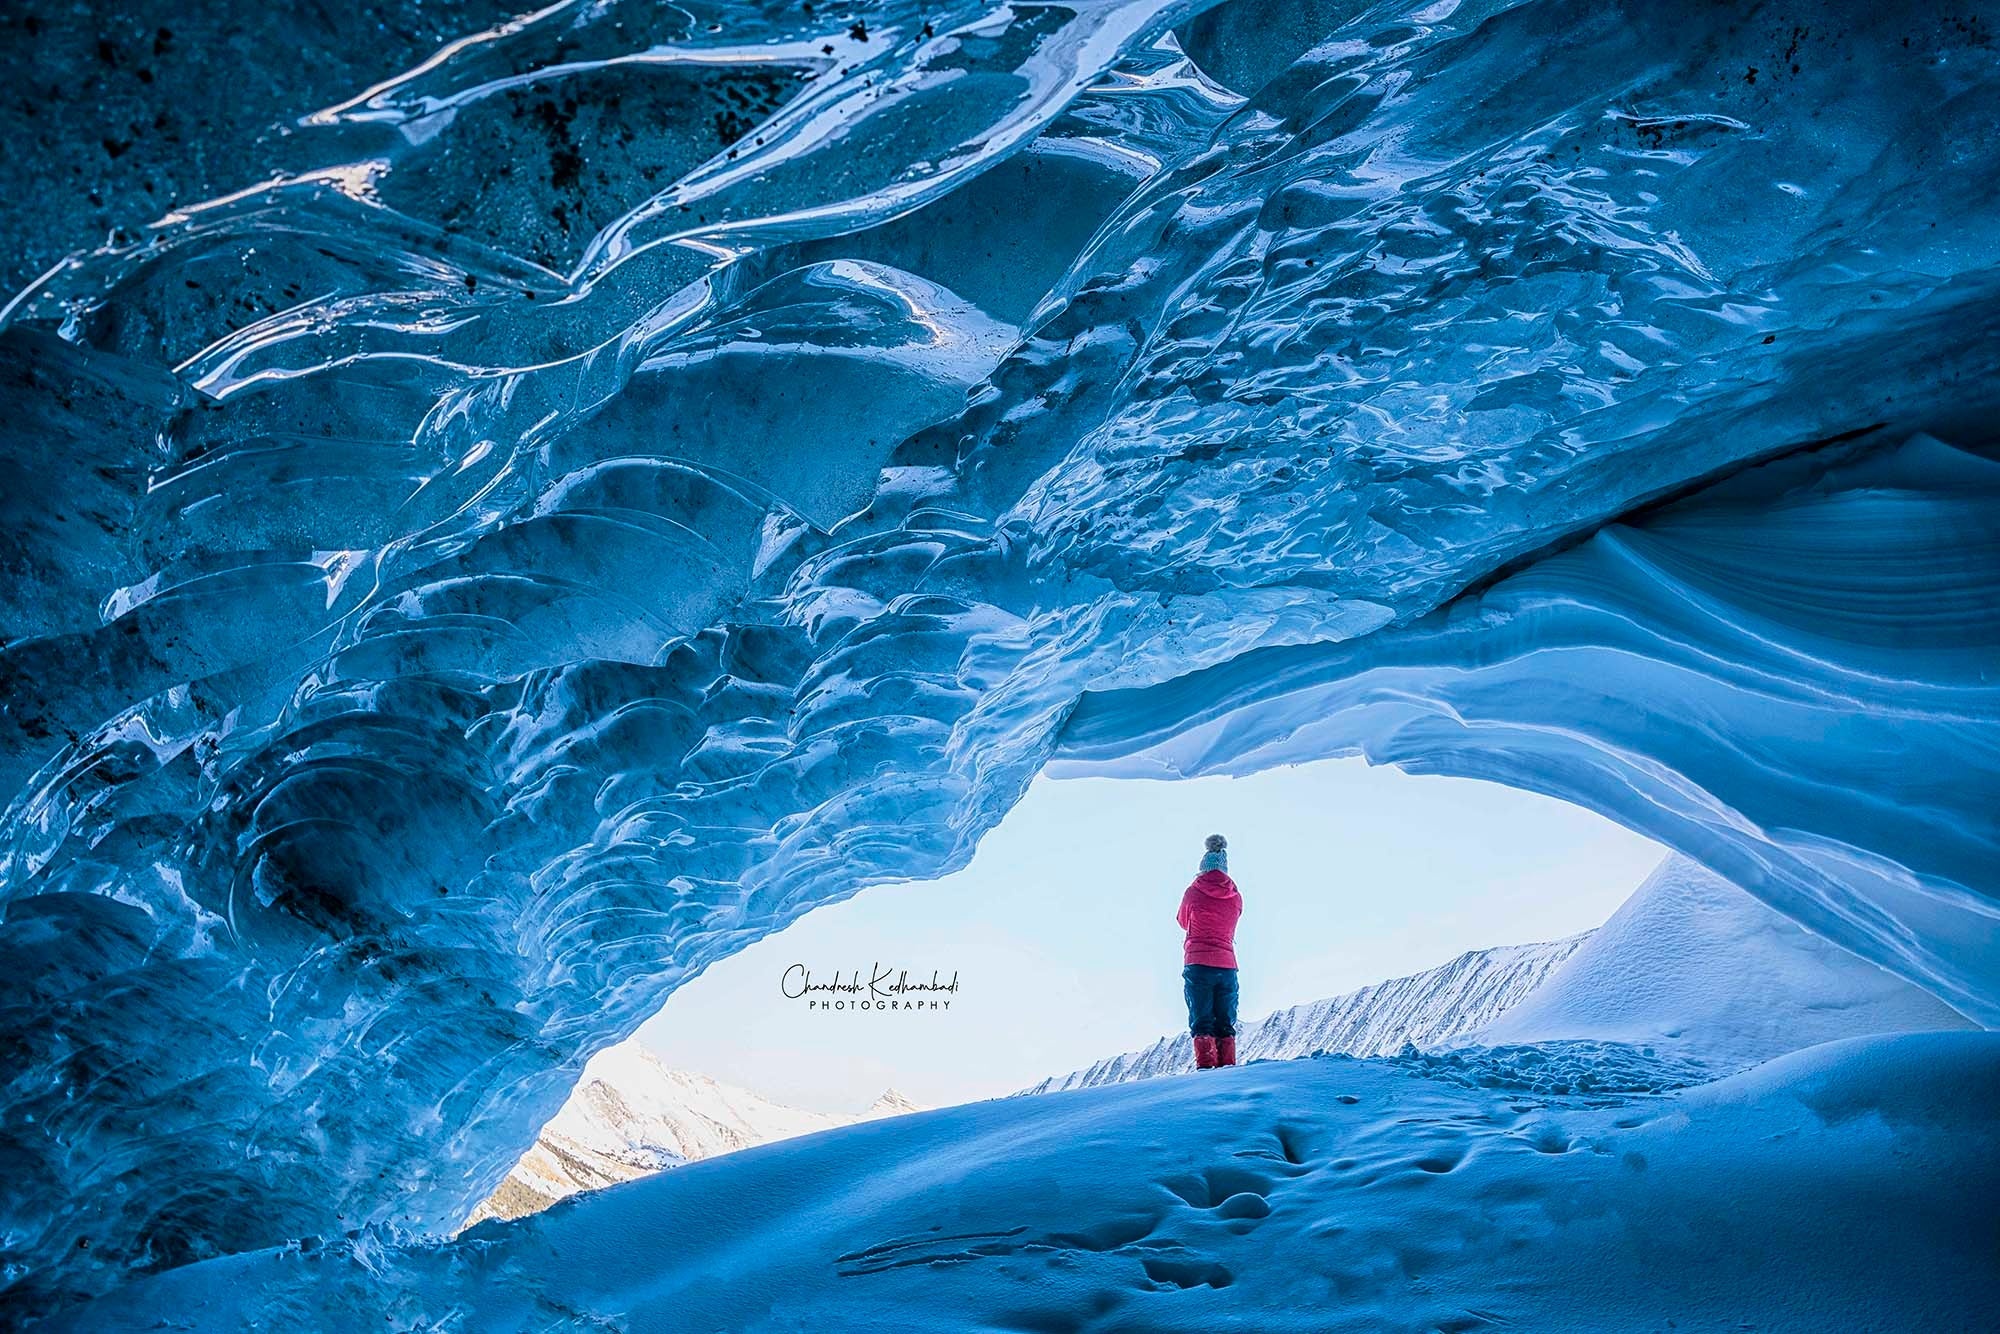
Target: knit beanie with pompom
<point x="1217" y="856"/>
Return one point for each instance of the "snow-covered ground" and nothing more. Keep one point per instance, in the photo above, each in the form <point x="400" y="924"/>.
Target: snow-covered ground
<point x="1849" y="1187"/>
<point x="631" y="1116"/>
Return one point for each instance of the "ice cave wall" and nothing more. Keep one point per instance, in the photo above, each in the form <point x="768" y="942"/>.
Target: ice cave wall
<point x="650" y="471"/>
<point x="1790" y="675"/>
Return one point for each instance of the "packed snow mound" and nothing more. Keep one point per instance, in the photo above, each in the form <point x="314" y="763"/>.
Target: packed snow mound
<point x="1693" y="966"/>
<point x="650" y="470"/>
<point x="1421" y="1010"/>
<point x="631" y="1116"/>
<point x="1848" y="1187"/>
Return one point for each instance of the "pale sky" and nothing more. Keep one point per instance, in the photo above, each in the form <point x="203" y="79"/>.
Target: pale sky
<point x="1062" y="929"/>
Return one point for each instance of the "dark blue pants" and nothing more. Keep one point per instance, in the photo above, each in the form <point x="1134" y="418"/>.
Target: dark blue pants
<point x="1211" y="1000"/>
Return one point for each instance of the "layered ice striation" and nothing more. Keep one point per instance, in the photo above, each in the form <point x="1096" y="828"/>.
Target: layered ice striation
<point x="649" y="471"/>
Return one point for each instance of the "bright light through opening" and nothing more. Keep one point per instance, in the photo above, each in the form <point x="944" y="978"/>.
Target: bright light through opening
<point x="1062" y="932"/>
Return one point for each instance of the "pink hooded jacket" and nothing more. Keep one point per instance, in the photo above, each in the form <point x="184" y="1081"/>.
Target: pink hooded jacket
<point x="1209" y="912"/>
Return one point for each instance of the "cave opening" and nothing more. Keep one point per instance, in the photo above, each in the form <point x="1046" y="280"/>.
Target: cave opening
<point x="1386" y="913"/>
<point x="1060" y="943"/>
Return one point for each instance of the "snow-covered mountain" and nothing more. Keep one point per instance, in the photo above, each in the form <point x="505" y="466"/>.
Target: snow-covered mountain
<point x="1690" y="964"/>
<point x="1697" y="968"/>
<point x="1424" y="1009"/>
<point x="631" y="1116"/>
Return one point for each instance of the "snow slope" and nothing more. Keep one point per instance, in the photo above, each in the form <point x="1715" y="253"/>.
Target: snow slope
<point x="1847" y="1187"/>
<point x="631" y="1116"/>
<point x="1694" y="966"/>
<point x="1423" y="1009"/>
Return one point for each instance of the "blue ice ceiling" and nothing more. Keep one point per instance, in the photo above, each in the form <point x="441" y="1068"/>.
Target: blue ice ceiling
<point x="652" y="470"/>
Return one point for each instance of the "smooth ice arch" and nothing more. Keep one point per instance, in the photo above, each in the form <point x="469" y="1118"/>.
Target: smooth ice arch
<point x="416" y="662"/>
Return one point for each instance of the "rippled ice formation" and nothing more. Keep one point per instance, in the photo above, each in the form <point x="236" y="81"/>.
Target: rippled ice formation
<point x="652" y="470"/>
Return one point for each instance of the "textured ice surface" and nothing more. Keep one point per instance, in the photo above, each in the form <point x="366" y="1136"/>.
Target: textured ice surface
<point x="1790" y="676"/>
<point x="651" y="470"/>
<point x="1584" y="1069"/>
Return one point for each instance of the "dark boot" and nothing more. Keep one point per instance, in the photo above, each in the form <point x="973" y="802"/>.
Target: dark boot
<point x="1225" y="1050"/>
<point x="1204" y="1052"/>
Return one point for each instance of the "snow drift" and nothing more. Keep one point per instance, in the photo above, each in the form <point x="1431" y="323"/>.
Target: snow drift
<point x="1846" y="1187"/>
<point x="648" y="471"/>
<point x="1696" y="968"/>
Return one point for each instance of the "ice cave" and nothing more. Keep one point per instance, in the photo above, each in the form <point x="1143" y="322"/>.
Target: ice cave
<point x="506" y="508"/>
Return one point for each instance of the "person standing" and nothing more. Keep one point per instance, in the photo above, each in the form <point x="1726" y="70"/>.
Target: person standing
<point x="1210" y="909"/>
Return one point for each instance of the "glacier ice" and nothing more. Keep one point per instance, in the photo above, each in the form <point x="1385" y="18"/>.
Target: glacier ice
<point x="1789" y="675"/>
<point x="460" y="586"/>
